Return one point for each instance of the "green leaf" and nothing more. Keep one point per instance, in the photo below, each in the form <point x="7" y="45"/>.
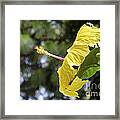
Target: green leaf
<point x="90" y="72"/>
<point x="90" y="65"/>
<point x="98" y="57"/>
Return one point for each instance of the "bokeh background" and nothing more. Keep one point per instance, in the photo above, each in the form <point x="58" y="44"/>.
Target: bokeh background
<point x="38" y="73"/>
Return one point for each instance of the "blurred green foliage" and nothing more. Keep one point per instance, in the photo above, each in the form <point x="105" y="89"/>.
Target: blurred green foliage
<point x="38" y="77"/>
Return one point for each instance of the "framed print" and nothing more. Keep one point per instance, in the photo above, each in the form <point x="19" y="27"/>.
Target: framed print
<point x="60" y="59"/>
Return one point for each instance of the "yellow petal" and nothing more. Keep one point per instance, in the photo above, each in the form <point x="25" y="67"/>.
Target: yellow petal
<point x="69" y="93"/>
<point x="70" y="90"/>
<point x="77" y="84"/>
<point x="88" y="35"/>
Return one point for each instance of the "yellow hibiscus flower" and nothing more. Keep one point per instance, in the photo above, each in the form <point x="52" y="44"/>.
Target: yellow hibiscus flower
<point x="69" y="83"/>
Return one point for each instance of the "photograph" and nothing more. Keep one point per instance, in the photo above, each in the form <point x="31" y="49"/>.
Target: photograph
<point x="59" y="59"/>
